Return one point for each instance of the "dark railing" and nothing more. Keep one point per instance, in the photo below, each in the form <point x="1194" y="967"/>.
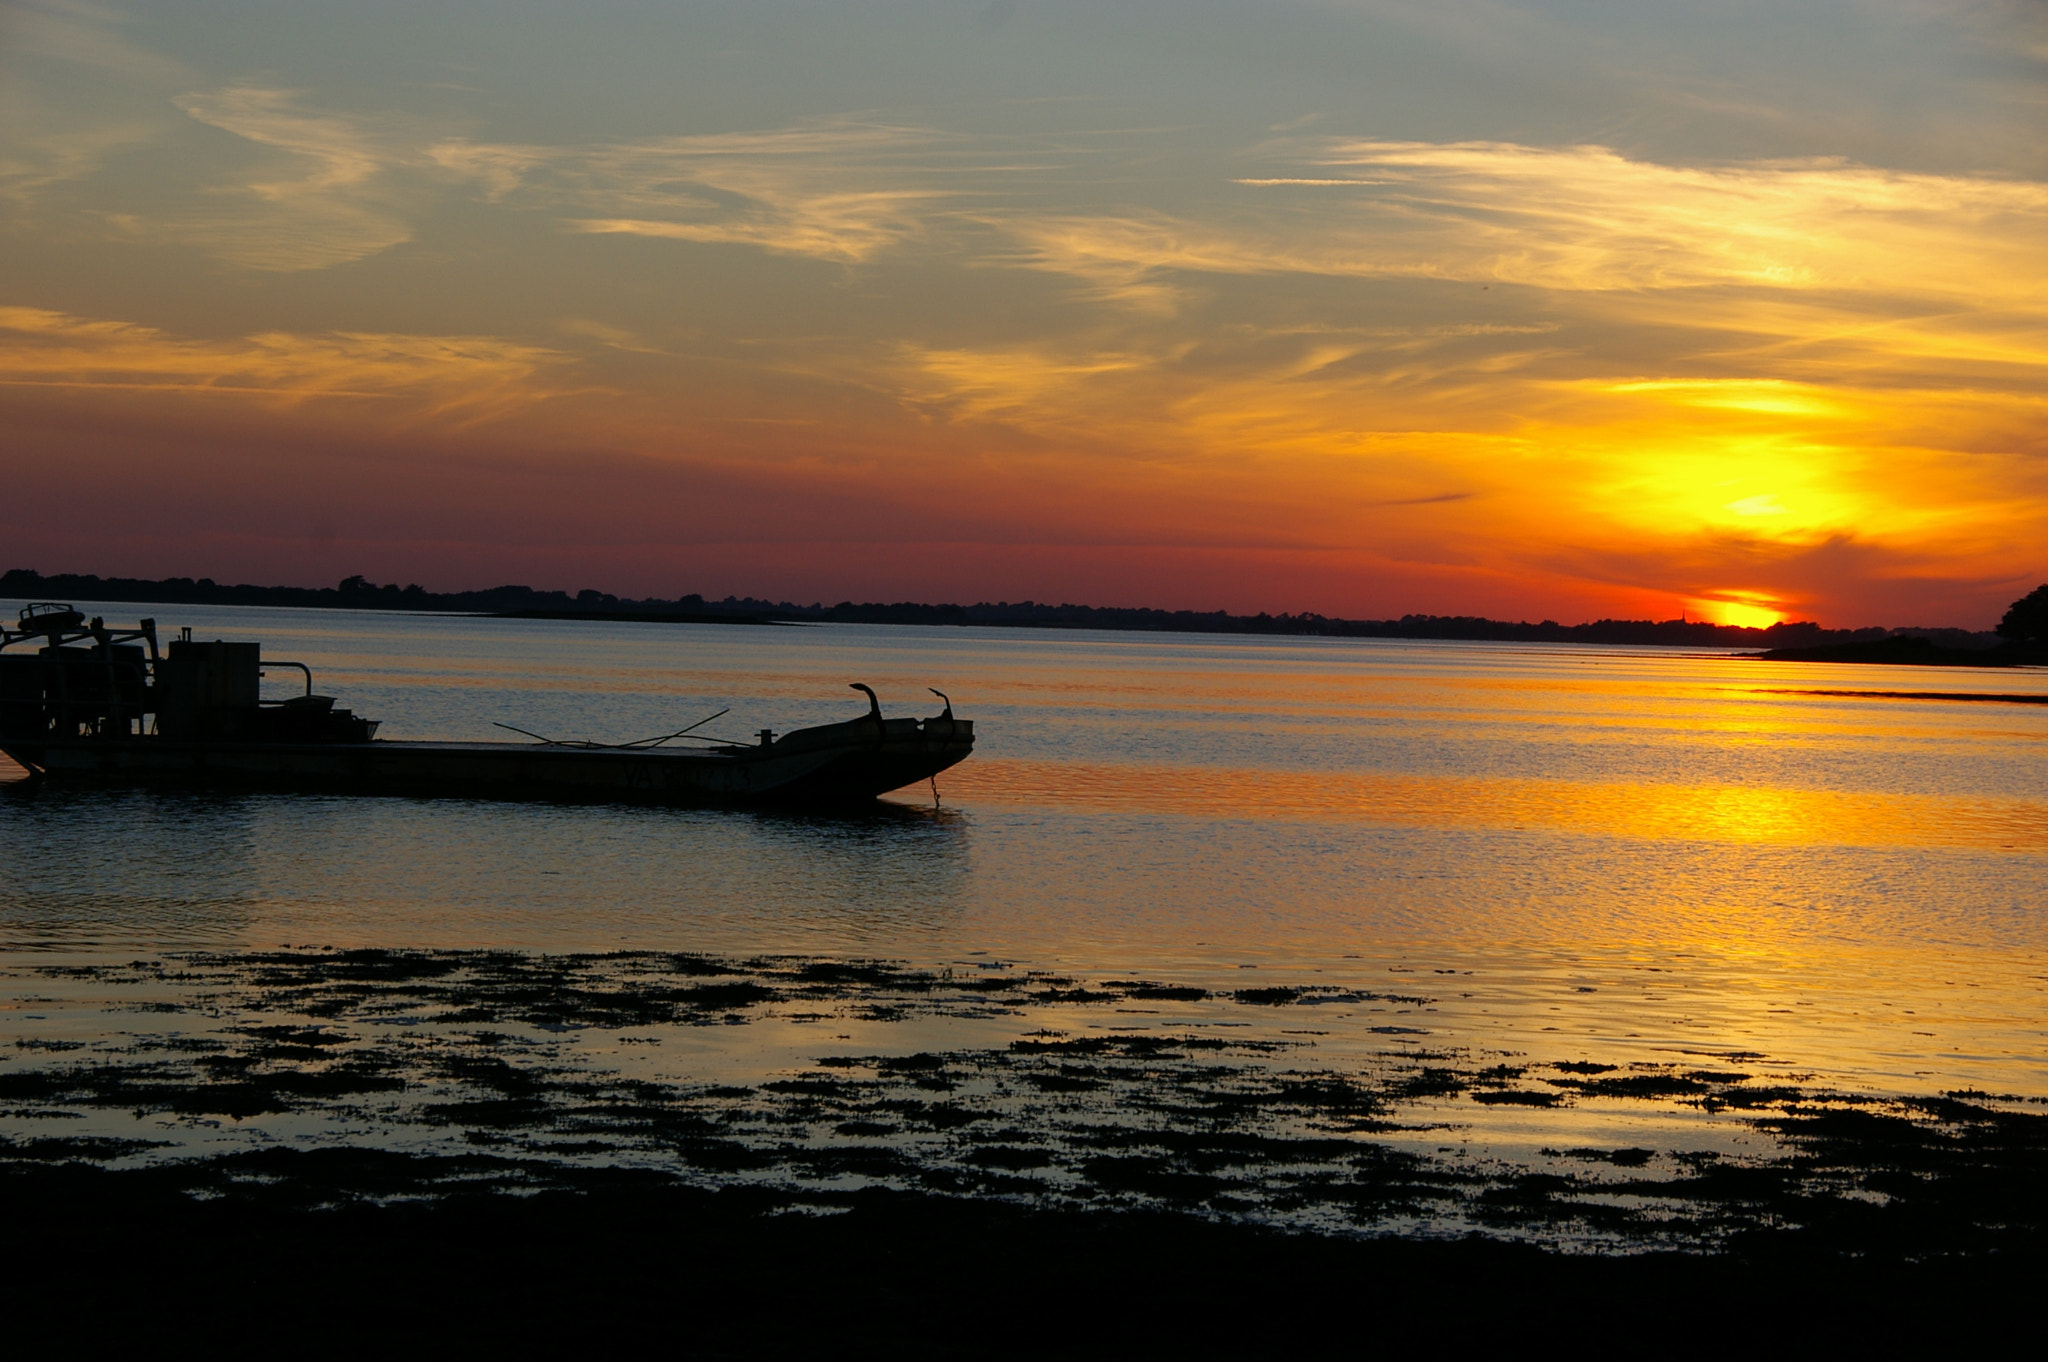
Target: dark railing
<point x="268" y="662"/>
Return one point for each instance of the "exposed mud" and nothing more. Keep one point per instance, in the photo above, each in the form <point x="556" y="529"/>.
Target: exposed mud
<point x="314" y="1078"/>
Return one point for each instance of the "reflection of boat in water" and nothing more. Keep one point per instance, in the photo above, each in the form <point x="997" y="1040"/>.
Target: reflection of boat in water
<point x="105" y="704"/>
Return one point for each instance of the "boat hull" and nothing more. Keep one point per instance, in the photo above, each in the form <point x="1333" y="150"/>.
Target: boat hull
<point x="857" y="767"/>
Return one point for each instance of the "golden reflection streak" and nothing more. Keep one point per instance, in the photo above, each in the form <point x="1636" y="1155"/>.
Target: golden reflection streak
<point x="1662" y="813"/>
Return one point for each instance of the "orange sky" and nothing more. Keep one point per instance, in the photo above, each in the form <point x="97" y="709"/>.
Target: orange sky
<point x="1524" y="310"/>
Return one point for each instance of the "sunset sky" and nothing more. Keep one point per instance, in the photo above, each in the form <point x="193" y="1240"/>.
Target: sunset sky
<point x="1557" y="309"/>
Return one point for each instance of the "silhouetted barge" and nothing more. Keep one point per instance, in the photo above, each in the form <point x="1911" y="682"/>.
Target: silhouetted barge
<point x="93" y="703"/>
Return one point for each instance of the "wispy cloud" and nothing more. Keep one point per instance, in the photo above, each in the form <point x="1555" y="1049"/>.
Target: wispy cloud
<point x="317" y="201"/>
<point x="303" y="188"/>
<point x="498" y="169"/>
<point x="33" y="157"/>
<point x="86" y="35"/>
<point x="1589" y="218"/>
<point x="1580" y="219"/>
<point x="830" y="191"/>
<point x="52" y="132"/>
<point x="1132" y="258"/>
<point x="466" y="377"/>
<point x="1041" y="388"/>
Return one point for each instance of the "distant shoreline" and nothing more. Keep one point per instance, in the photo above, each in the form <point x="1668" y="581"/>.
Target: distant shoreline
<point x="523" y="602"/>
<point x="630" y="616"/>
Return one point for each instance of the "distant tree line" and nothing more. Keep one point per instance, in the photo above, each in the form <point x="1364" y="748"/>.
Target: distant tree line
<point x="2024" y="624"/>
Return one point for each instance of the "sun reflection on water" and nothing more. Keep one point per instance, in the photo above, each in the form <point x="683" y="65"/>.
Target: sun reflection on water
<point x="1712" y="813"/>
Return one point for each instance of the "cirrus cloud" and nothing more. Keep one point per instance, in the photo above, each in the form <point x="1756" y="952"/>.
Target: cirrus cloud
<point x="463" y="376"/>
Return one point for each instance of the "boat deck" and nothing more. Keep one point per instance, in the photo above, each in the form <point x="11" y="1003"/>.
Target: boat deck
<point x="842" y="767"/>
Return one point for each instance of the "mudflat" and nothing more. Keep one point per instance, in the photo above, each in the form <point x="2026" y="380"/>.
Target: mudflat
<point x="430" y="1149"/>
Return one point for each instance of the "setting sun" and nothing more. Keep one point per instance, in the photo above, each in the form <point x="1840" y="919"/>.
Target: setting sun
<point x="1747" y="614"/>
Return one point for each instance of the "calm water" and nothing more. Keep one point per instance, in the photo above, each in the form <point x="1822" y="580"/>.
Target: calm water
<point x="1571" y="853"/>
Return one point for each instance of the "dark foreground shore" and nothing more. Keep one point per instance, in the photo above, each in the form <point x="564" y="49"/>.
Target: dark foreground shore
<point x="414" y="1149"/>
<point x="620" y="1262"/>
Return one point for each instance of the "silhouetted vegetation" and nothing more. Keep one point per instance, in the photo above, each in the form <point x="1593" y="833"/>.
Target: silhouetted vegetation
<point x="358" y="593"/>
<point x="2026" y="624"/>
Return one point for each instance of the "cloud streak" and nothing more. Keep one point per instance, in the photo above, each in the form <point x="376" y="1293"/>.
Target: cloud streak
<point x="1588" y="218"/>
<point x="839" y="192"/>
<point x="1585" y="219"/>
<point x="318" y="200"/>
<point x="466" y="377"/>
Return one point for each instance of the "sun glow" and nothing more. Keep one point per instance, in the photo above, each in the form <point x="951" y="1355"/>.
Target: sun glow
<point x="1749" y="614"/>
<point x="1766" y="504"/>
